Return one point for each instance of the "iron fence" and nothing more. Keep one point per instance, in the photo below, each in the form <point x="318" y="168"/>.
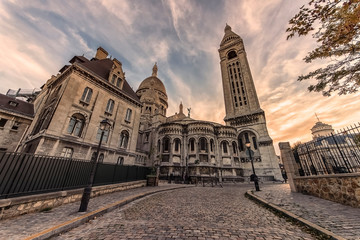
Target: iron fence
<point x="331" y="154"/>
<point x="24" y="174"/>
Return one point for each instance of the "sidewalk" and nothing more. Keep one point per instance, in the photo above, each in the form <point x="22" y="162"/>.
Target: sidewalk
<point x="342" y="220"/>
<point x="44" y="224"/>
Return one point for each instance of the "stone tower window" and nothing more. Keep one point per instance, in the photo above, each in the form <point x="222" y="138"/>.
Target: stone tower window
<point x="224" y="146"/>
<point x="211" y="145"/>
<point x="234" y="147"/>
<point x="231" y="55"/>
<point x="192" y="145"/>
<point x="177" y="145"/>
<point x="203" y="144"/>
<point x="166" y="147"/>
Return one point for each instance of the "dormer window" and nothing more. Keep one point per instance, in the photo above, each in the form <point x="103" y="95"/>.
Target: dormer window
<point x="118" y="82"/>
<point x="13" y="104"/>
<point x="113" y="79"/>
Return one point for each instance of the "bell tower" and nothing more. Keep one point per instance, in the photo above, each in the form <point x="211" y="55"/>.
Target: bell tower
<point x="243" y="108"/>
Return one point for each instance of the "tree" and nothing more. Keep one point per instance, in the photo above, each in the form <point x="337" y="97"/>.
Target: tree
<point x="336" y="26"/>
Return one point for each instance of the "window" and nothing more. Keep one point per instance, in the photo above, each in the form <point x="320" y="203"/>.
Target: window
<point x="255" y="143"/>
<point x="234" y="147"/>
<point x="105" y="137"/>
<point x="3" y="122"/>
<point x="192" y="145"/>
<point x="110" y="106"/>
<point x="67" y="152"/>
<point x="13" y="104"/>
<point x="113" y="79"/>
<point x="211" y="145"/>
<point x="120" y="161"/>
<point x="224" y="145"/>
<point x="15" y="126"/>
<point x="86" y="97"/>
<point x="203" y="144"/>
<point x="128" y="115"/>
<point x="101" y="158"/>
<point x="231" y="55"/>
<point x="166" y="146"/>
<point x="118" y="82"/>
<point x="241" y="145"/>
<point x="124" y="139"/>
<point x="147" y="137"/>
<point x="177" y="145"/>
<point x="158" y="145"/>
<point x="76" y="124"/>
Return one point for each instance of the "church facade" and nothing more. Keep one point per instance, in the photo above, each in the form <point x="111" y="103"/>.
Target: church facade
<point x="72" y="104"/>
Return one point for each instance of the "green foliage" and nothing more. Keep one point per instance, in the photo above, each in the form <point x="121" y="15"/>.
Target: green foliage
<point x="337" y="26"/>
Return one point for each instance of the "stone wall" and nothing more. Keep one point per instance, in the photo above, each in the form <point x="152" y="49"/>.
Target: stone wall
<point x="341" y="188"/>
<point x="22" y="205"/>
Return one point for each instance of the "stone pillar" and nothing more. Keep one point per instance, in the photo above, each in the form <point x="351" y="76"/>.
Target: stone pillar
<point x="289" y="162"/>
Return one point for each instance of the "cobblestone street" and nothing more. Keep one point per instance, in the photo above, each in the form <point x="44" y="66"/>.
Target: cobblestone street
<point x="190" y="213"/>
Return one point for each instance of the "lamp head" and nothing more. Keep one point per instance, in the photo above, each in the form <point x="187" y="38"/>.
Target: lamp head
<point x="105" y="124"/>
<point x="247" y="144"/>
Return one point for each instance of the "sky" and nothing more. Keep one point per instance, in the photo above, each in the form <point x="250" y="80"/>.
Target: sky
<point x="39" y="37"/>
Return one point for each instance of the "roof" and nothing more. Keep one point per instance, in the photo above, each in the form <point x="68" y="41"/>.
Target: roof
<point x="102" y="68"/>
<point x="229" y="35"/>
<point x="154" y="83"/>
<point x="16" y="106"/>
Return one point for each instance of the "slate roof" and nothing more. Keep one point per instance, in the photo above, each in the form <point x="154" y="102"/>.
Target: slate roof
<point x="102" y="68"/>
<point x="16" y="106"/>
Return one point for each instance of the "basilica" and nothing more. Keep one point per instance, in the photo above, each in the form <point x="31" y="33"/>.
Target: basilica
<point x="71" y="105"/>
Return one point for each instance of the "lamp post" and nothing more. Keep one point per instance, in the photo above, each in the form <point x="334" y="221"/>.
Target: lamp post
<point x="104" y="126"/>
<point x="255" y="178"/>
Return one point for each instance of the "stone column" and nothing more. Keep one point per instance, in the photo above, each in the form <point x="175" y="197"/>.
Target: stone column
<point x="289" y="162"/>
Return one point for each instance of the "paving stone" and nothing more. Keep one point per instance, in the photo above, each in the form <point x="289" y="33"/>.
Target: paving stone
<point x="340" y="219"/>
<point x="190" y="213"/>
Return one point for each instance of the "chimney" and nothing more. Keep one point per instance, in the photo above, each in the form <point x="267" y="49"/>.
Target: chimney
<point x="101" y="53"/>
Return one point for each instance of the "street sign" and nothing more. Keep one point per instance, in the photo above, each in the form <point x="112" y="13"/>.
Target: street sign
<point x="247" y="152"/>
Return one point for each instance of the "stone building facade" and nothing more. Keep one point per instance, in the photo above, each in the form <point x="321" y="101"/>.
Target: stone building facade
<point x="72" y="104"/>
<point x="15" y="119"/>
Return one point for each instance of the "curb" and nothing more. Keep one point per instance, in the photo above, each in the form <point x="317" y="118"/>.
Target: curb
<point x="70" y="224"/>
<point x="294" y="217"/>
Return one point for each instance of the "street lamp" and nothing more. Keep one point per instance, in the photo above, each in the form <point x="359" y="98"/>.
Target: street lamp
<point x="104" y="126"/>
<point x="255" y="178"/>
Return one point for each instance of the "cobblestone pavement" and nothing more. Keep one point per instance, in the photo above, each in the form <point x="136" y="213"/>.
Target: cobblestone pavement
<point x="190" y="213"/>
<point x="29" y="224"/>
<point x="337" y="218"/>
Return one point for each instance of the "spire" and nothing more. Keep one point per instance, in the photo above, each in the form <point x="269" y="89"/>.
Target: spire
<point x="155" y="69"/>
<point x="181" y="108"/>
<point x="227" y="28"/>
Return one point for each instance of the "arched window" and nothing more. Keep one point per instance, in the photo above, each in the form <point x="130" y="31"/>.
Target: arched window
<point x="110" y="106"/>
<point x="159" y="145"/>
<point x="224" y="147"/>
<point x="120" y="161"/>
<point x="211" y="145"/>
<point x="101" y="158"/>
<point x="124" y="139"/>
<point x="232" y="54"/>
<point x="86" y="97"/>
<point x="93" y="157"/>
<point x="203" y="144"/>
<point x="234" y="147"/>
<point x="76" y="124"/>
<point x="166" y="145"/>
<point x="254" y="142"/>
<point x="177" y="145"/>
<point x="192" y="144"/>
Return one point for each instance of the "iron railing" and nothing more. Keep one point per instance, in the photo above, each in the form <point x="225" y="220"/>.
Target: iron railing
<point x="331" y="154"/>
<point x="24" y="174"/>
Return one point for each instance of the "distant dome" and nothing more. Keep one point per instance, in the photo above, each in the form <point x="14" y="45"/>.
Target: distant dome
<point x="321" y="129"/>
<point x="152" y="83"/>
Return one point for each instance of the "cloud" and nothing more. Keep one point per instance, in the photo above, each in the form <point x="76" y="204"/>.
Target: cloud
<point x="183" y="37"/>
